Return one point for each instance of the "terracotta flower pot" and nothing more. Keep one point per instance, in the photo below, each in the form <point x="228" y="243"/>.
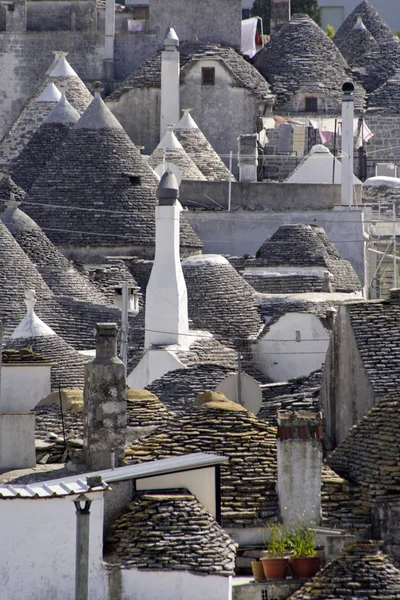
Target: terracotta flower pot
<point x="258" y="571"/>
<point x="275" y="568"/>
<point x="304" y="567"/>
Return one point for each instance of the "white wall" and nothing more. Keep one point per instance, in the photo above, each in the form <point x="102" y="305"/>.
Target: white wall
<point x="22" y="387"/>
<point x="168" y="585"/>
<point x="153" y="365"/>
<point x="38" y="549"/>
<point x="279" y="356"/>
<point x="200" y="482"/>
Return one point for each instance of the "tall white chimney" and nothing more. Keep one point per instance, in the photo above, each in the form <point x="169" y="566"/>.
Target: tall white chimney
<point x="347" y="144"/>
<point x="170" y="72"/>
<point x="166" y="320"/>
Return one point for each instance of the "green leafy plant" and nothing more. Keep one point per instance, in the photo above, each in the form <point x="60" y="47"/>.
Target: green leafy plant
<point x="302" y="541"/>
<point x="276" y="540"/>
<point x="330" y="31"/>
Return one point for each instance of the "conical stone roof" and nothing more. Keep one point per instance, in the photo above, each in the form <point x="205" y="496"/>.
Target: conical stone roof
<point x="169" y="150"/>
<point x="358" y="42"/>
<point x="248" y="480"/>
<point x="27" y="166"/>
<point x="301" y="56"/>
<point x="17" y="273"/>
<point x="386" y="98"/>
<point x="376" y="26"/>
<point x="62" y="79"/>
<point x="9" y="191"/>
<point x="362" y="573"/>
<point x="380" y="64"/>
<point x="199" y="149"/>
<point x="219" y="299"/>
<point x="308" y="246"/>
<point x="61" y="277"/>
<point x="98" y="188"/>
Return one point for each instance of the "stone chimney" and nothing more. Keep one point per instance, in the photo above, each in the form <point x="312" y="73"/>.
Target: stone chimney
<point x="166" y="319"/>
<point x="299" y="466"/>
<point x="280" y="14"/>
<point x="104" y="394"/>
<point x="347" y="144"/>
<point x="247" y="157"/>
<point x="170" y="81"/>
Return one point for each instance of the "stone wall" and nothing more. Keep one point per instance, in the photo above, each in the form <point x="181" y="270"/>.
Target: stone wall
<point x="216" y="22"/>
<point x="24" y="60"/>
<point x="73" y="15"/>
<point x="385" y="145"/>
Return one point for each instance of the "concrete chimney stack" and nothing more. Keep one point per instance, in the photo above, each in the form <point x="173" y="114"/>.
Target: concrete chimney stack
<point x="347" y="144"/>
<point x="280" y="14"/>
<point x="299" y="466"/>
<point x="109" y="41"/>
<point x="166" y="319"/>
<point x="170" y="76"/>
<point x="247" y="157"/>
<point x="104" y="394"/>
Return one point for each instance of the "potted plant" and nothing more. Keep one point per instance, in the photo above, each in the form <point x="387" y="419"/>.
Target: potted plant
<point x="275" y="561"/>
<point x="304" y="562"/>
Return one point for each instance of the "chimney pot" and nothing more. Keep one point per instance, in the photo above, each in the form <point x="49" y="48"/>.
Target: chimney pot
<point x="106" y="341"/>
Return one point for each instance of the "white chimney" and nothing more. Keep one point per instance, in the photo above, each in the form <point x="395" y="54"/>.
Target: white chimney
<point x="347" y="144"/>
<point x="170" y="72"/>
<point x="299" y="447"/>
<point x="166" y="320"/>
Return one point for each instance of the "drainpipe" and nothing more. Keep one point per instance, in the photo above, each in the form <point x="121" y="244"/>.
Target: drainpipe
<point x="347" y="144"/>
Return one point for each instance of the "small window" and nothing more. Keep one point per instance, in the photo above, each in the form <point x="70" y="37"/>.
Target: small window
<point x="207" y="76"/>
<point x="311" y="104"/>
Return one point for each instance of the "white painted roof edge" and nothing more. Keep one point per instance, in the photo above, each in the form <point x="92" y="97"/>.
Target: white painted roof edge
<point x="50" y="489"/>
<point x="196" y="460"/>
<point x="51" y="93"/>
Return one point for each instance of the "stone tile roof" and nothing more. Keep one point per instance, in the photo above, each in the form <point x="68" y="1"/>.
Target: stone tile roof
<point x="170" y="530"/>
<point x="307" y="246"/>
<point x="301" y="55"/>
<point x="370" y="454"/>
<point x="342" y="505"/>
<point x="97" y="175"/>
<point x="17" y="273"/>
<point x="61" y="277"/>
<point x="377" y="27"/>
<point x="108" y="277"/>
<point x="356" y="45"/>
<point x="144" y="409"/>
<point x="200" y="151"/>
<point x="25" y="355"/>
<point x="28" y="165"/>
<point x="362" y="573"/>
<point x="248" y="480"/>
<point x="387" y="96"/>
<point x="178" y="389"/>
<point x="302" y="393"/>
<point x="178" y="157"/>
<point x="9" y="192"/>
<point x="380" y="64"/>
<point x="68" y="369"/>
<point x="148" y="75"/>
<point x="37" y="109"/>
<point x="376" y="328"/>
<point x="219" y="299"/>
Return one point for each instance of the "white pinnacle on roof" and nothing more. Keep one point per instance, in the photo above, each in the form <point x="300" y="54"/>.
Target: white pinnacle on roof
<point x="317" y="167"/>
<point x="50" y="94"/>
<point x="187" y="121"/>
<point x="171" y="37"/>
<point x="359" y="24"/>
<point x="31" y="325"/>
<point x="58" y="55"/>
<point x="63" y="113"/>
<point x="170" y="141"/>
<point x="63" y="69"/>
<point x="98" y="116"/>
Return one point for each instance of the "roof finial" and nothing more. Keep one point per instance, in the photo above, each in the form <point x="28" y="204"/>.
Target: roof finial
<point x="30" y="301"/>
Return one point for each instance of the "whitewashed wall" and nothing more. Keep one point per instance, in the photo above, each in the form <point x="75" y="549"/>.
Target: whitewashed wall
<point x="22" y="387"/>
<point x="37" y="560"/>
<point x="168" y="585"/>
<point x="281" y="357"/>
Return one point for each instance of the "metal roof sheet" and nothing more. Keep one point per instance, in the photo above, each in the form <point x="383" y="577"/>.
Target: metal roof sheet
<point x="51" y="489"/>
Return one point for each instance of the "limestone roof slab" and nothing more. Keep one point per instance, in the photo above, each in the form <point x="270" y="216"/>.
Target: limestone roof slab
<point x="170" y="530"/>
